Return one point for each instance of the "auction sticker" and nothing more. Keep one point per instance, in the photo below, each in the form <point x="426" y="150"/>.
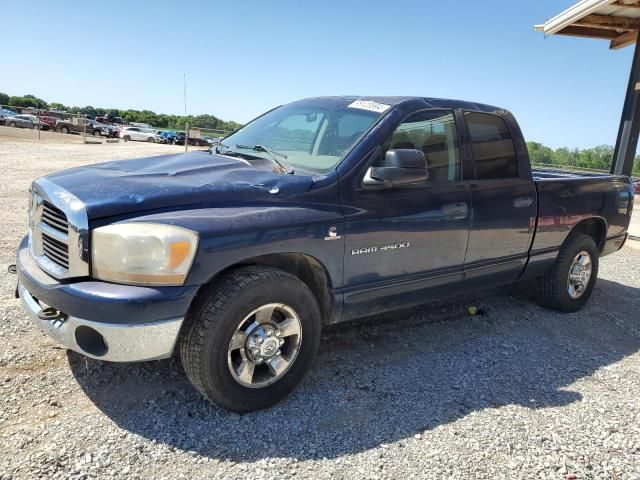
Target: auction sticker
<point x="369" y="105"/>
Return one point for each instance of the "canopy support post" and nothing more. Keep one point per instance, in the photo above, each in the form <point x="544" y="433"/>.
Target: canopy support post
<point x="627" y="141"/>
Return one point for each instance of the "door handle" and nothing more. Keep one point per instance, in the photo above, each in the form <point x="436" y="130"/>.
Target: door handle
<point x="456" y="209"/>
<point x="522" y="202"/>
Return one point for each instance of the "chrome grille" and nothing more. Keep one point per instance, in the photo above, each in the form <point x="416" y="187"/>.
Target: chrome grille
<point x="56" y="251"/>
<point x="54" y="217"/>
<point x="58" y="231"/>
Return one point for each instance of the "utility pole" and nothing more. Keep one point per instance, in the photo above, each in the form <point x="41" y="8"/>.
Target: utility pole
<point x="186" y="122"/>
<point x="39" y="118"/>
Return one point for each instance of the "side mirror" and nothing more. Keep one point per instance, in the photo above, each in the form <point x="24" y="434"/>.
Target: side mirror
<point x="401" y="167"/>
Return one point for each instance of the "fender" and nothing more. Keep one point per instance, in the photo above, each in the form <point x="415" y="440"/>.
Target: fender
<point x="232" y="235"/>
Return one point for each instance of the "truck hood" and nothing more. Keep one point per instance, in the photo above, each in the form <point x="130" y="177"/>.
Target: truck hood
<point x="190" y="179"/>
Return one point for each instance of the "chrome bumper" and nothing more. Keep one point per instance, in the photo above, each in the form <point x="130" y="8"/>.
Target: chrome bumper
<point x="107" y="341"/>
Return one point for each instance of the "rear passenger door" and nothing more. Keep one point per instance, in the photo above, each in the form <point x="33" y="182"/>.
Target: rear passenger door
<point x="503" y="199"/>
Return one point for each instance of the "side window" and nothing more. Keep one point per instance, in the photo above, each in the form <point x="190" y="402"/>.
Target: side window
<point x="434" y="133"/>
<point x="493" y="151"/>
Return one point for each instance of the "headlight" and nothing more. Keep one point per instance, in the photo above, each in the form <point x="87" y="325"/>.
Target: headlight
<point x="143" y="253"/>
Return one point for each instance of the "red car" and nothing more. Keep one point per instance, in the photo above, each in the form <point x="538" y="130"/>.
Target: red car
<point x="49" y="121"/>
<point x="636" y="186"/>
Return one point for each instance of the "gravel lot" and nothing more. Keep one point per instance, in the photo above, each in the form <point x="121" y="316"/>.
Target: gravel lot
<point x="515" y="392"/>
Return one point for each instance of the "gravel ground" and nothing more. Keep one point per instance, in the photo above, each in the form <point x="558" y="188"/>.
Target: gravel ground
<point x="514" y="392"/>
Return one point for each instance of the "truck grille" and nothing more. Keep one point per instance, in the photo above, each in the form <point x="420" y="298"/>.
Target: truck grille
<point x="58" y="231"/>
<point x="54" y="217"/>
<point x="56" y="251"/>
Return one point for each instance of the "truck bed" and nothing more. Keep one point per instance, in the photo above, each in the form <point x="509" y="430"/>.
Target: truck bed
<point x="565" y="198"/>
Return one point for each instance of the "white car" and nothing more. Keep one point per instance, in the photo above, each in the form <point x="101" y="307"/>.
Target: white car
<point x="140" y="134"/>
<point x="140" y="125"/>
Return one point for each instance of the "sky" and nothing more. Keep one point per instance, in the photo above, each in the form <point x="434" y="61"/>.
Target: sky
<point x="242" y="58"/>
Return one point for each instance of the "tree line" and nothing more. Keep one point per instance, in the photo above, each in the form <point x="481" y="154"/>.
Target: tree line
<point x="597" y="158"/>
<point x="161" y="120"/>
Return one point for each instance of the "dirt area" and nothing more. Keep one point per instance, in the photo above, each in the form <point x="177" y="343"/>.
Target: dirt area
<point x="516" y="391"/>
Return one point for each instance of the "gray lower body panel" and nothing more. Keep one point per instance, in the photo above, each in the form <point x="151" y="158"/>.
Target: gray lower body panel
<point x="123" y="342"/>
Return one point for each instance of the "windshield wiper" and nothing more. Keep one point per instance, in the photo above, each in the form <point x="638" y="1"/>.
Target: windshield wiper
<point x="217" y="146"/>
<point x="272" y="154"/>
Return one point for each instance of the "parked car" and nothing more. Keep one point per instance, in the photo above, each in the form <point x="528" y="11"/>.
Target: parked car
<point x="109" y="120"/>
<point x="317" y="212"/>
<point x="49" y="120"/>
<point x="140" y="134"/>
<point x="160" y="133"/>
<point x="179" y="138"/>
<point x="198" y="142"/>
<point x="81" y="125"/>
<point x="636" y="186"/>
<point x="212" y="140"/>
<point x="26" y="121"/>
<point x="168" y="135"/>
<point x="6" y="113"/>
<point x="141" y="125"/>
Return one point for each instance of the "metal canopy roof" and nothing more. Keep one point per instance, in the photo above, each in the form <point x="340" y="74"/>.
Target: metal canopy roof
<point x="615" y="20"/>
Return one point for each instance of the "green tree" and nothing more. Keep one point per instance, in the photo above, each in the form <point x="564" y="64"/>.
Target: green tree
<point x="58" y="106"/>
<point x="27" y="101"/>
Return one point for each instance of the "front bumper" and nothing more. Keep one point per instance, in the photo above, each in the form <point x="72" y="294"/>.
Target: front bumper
<point x="118" y="323"/>
<point x="113" y="342"/>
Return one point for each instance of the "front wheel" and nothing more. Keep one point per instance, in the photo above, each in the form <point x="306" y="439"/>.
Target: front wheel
<point x="568" y="285"/>
<point x="250" y="341"/>
<point x="64" y="130"/>
<point x="12" y="124"/>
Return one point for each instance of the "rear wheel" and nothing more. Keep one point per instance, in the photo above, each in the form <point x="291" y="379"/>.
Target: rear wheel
<point x="568" y="285"/>
<point x="250" y="341"/>
<point x="97" y="133"/>
<point x="12" y="124"/>
<point x="151" y="140"/>
<point x="64" y="130"/>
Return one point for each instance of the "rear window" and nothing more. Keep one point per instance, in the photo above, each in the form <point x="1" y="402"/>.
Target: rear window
<point x="493" y="150"/>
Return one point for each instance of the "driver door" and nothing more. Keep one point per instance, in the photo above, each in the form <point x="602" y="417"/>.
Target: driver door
<point x="400" y="242"/>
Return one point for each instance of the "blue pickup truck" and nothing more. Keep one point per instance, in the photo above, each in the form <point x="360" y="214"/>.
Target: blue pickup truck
<point x="319" y="211"/>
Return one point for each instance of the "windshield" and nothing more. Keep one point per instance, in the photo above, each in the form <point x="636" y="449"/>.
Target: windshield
<point x="310" y="135"/>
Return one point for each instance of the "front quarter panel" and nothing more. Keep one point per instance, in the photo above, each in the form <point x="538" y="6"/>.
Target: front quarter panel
<point x="232" y="235"/>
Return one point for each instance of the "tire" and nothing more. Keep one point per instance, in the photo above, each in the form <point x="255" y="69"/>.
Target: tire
<point x="151" y="140"/>
<point x="97" y="133"/>
<point x="35" y="126"/>
<point x="217" y="315"/>
<point x="64" y="130"/>
<point x="12" y="124"/>
<point x="126" y="138"/>
<point x="555" y="286"/>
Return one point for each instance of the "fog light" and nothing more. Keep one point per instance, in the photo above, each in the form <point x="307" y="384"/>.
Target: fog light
<point x="91" y="341"/>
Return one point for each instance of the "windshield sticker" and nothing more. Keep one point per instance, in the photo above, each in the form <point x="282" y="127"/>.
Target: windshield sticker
<point x="371" y="106"/>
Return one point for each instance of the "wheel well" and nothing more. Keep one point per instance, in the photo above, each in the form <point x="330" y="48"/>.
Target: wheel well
<point x="595" y="228"/>
<point x="306" y="268"/>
